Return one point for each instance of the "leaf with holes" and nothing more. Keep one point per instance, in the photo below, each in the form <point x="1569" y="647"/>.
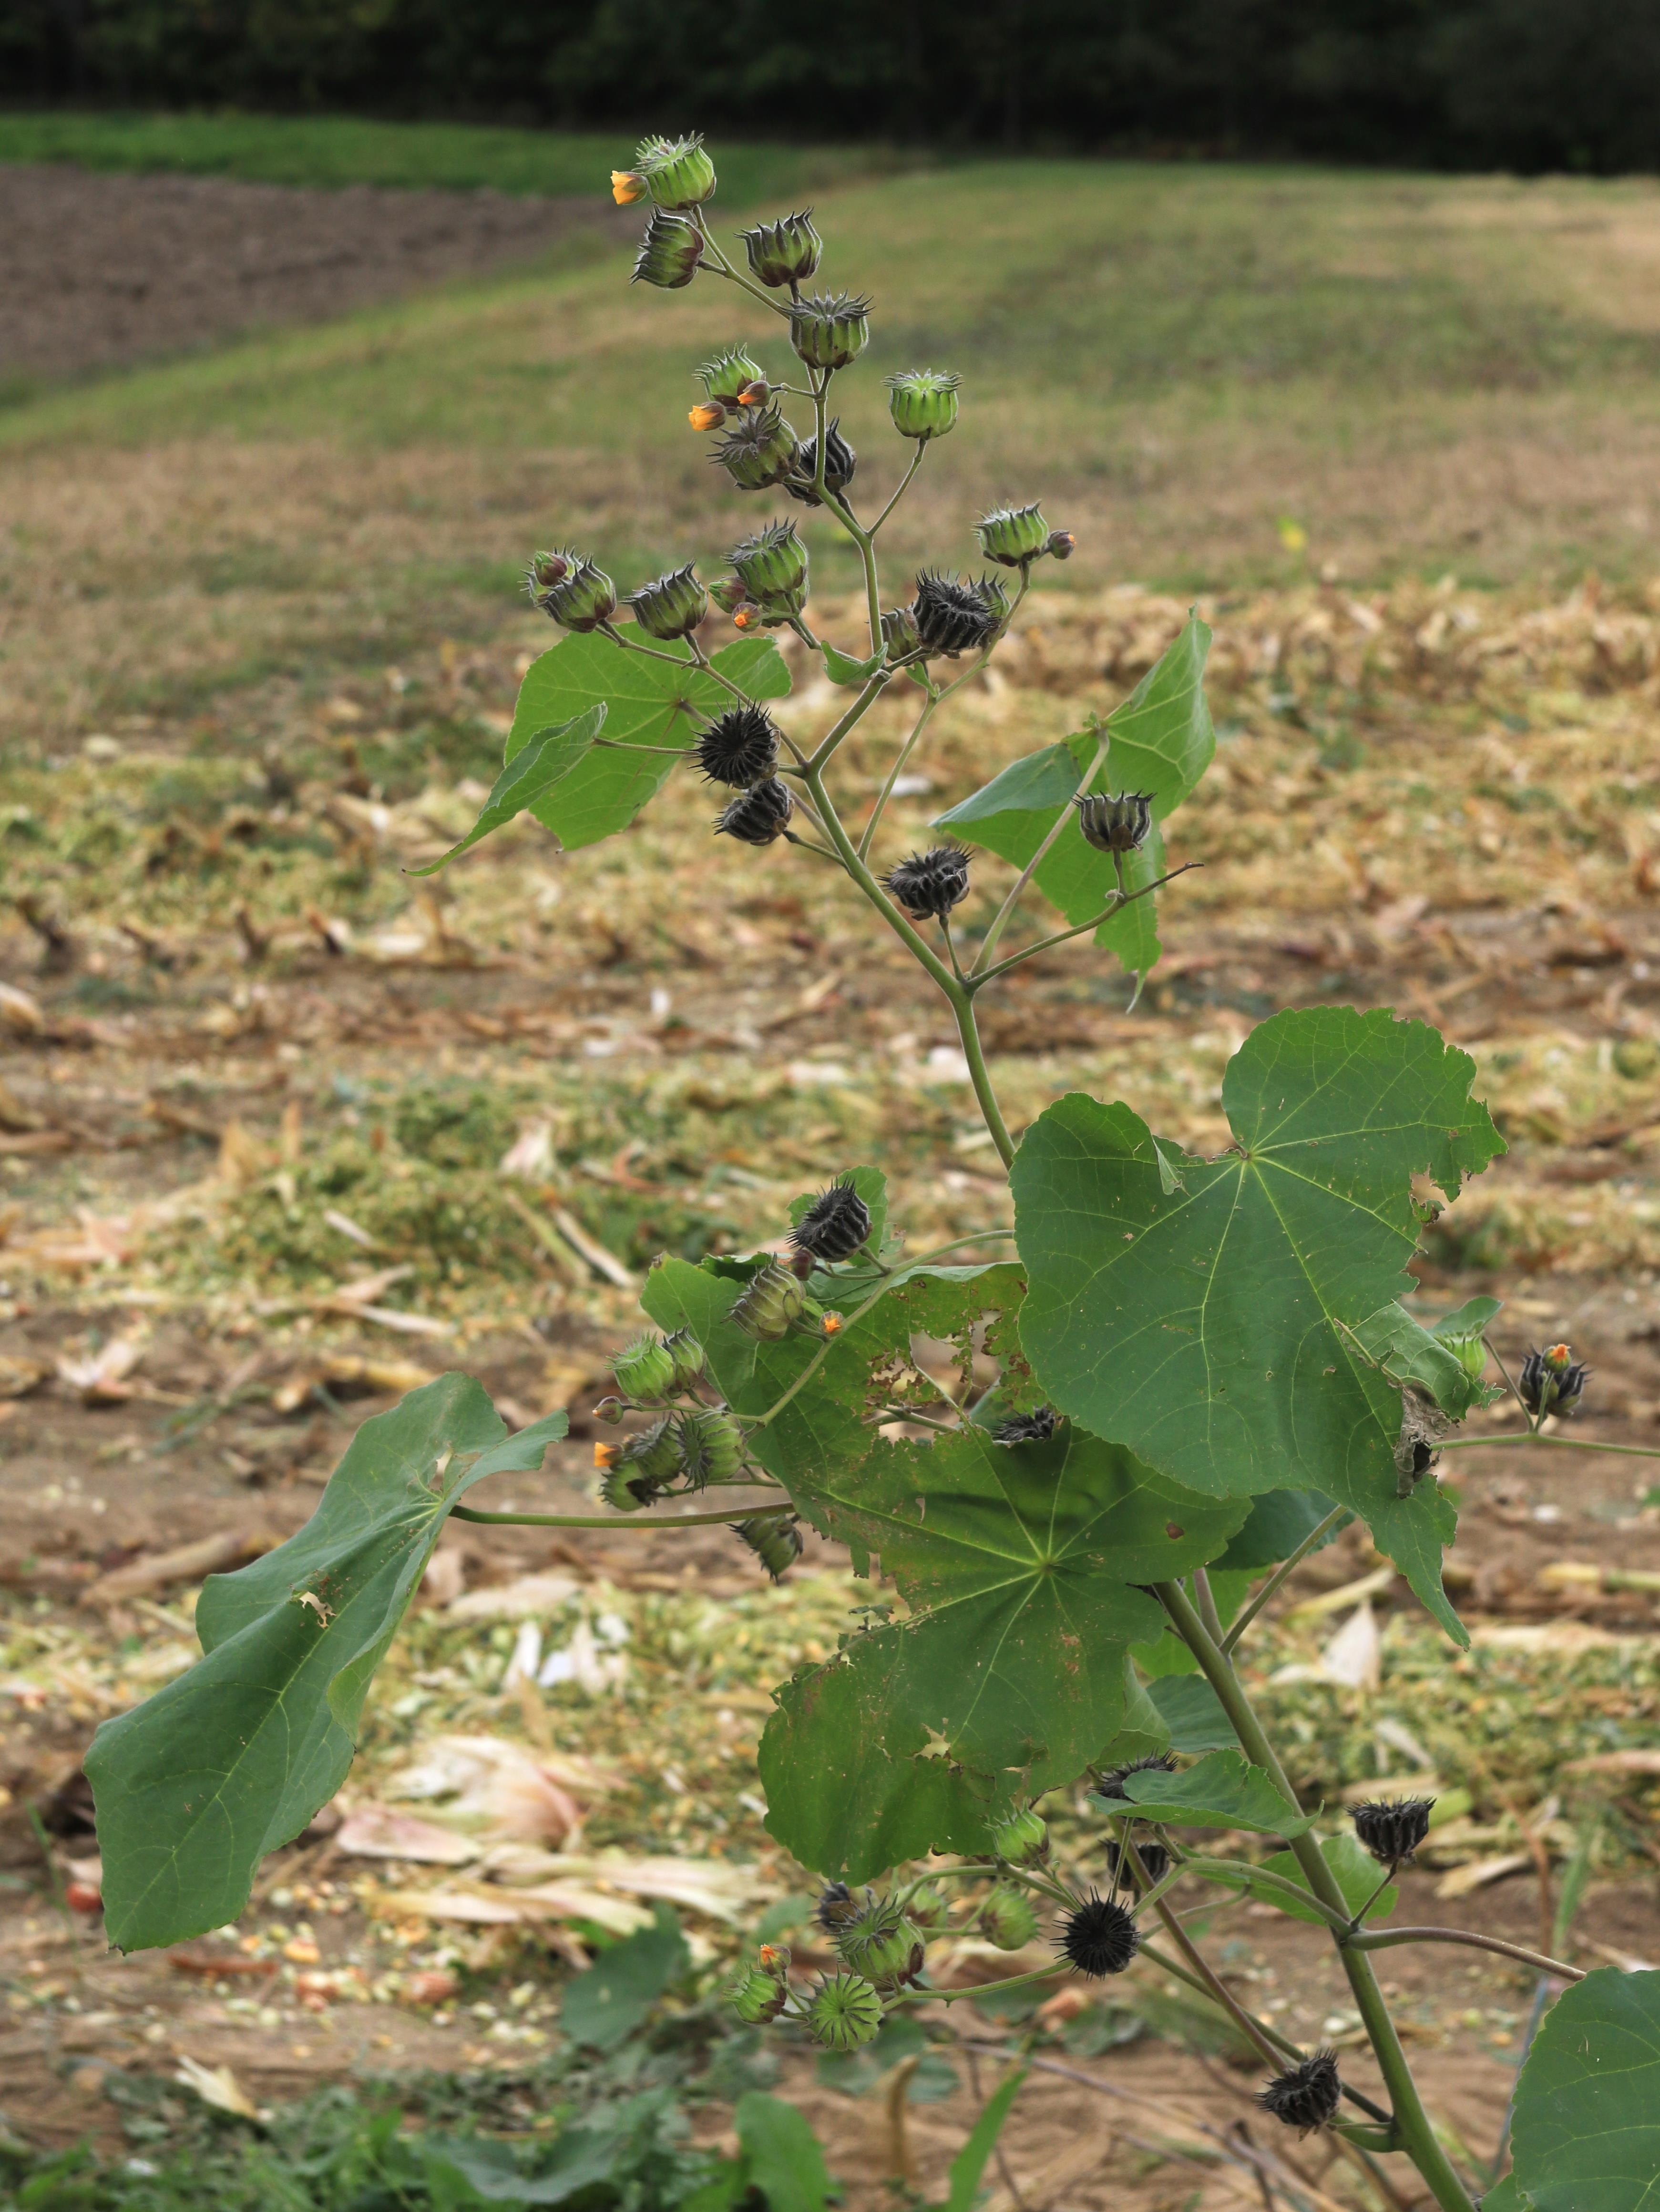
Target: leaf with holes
<point x="232" y="1759"/>
<point x="1210" y="1327"/>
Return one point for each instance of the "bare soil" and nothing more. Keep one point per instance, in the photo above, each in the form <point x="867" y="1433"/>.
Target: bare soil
<point x="101" y="271"/>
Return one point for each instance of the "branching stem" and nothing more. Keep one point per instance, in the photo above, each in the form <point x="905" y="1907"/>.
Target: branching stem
<point x="1380" y="1940"/>
<point x="1312" y="1542"/>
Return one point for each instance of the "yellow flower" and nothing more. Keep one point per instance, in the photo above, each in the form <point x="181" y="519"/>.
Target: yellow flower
<point x="627" y="185"/>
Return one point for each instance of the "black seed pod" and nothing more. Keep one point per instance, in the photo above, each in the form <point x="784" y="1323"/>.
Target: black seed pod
<point x="1115" y="823"/>
<point x="1034" y="1428"/>
<point x="838" y="1907"/>
<point x="1393" y="1831"/>
<point x="1099" y="1938"/>
<point x="840" y="462"/>
<point x="953" y="617"/>
<point x="774" y="1538"/>
<point x="1111" y="1787"/>
<point x="929" y="885"/>
<point x="756" y="817"/>
<point x="834" y="1225"/>
<point x="1155" y="1863"/>
<point x="1552" y="1381"/>
<point x="741" y="748"/>
<point x="1306" y="2096"/>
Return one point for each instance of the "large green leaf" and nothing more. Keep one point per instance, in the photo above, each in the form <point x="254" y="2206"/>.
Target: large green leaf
<point x="605" y="2006"/>
<point x="528" y="779"/>
<point x="231" y="1760"/>
<point x="1221" y="1792"/>
<point x="1161" y="741"/>
<point x="1586" y="2133"/>
<point x="1210" y="1326"/>
<point x="1007" y="1674"/>
<point x="648" y="701"/>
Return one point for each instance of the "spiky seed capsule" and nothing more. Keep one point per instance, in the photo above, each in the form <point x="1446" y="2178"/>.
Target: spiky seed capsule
<point x="669" y="252"/>
<point x="759" y="451"/>
<point x="740" y="748"/>
<point x="646" y="1372"/>
<point x="729" y="375"/>
<point x="757" y="816"/>
<point x="1034" y="1428"/>
<point x="785" y="251"/>
<point x="929" y="1908"/>
<point x="771" y="1301"/>
<point x="1023" y="1837"/>
<point x="757" y="1997"/>
<point x="841" y="465"/>
<point x="845" y="2012"/>
<point x="710" y="1446"/>
<point x="929" y="885"/>
<point x="879" y="1943"/>
<point x="653" y="1455"/>
<point x="772" y="565"/>
<point x="1552" y="1381"/>
<point x="923" y="403"/>
<point x="900" y="632"/>
<point x="830" y="330"/>
<point x="688" y="1355"/>
<point x="1100" y="1937"/>
<point x="953" y="617"/>
<point x="676" y="172"/>
<point x="835" y="1225"/>
<point x="1306" y="2096"/>
<point x="1111" y="1787"/>
<point x="671" y="607"/>
<point x="571" y="589"/>
<point x="1013" y="534"/>
<point x="1392" y="1830"/>
<point x="1007" y="1920"/>
<point x="774" y="1538"/>
<point x="838" y="1907"/>
<point x="624" y="1489"/>
<point x="1115" y="823"/>
<point x="1154" y="1858"/>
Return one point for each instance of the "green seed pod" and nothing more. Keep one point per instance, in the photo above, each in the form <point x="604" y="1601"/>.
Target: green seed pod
<point x="829" y="330"/>
<point x="711" y="1446"/>
<point x="845" y="2012"/>
<point x="646" y="1372"/>
<point x="772" y="1300"/>
<point x="882" y="1945"/>
<point x="923" y="403"/>
<point x="1023" y="1837"/>
<point x="1007" y="1919"/>
<point x="772" y="565"/>
<point x="677" y="172"/>
<point x="729" y="374"/>
<point x="785" y="251"/>
<point x="774" y="1538"/>
<point x="671" y="607"/>
<point x="688" y="1355"/>
<point x="1471" y="1354"/>
<point x="929" y="1909"/>
<point x="757" y="1994"/>
<point x="759" y="452"/>
<point x="623" y="1494"/>
<point x="900" y="632"/>
<point x="571" y="589"/>
<point x="1115" y="824"/>
<point x="669" y="252"/>
<point x="653" y="1456"/>
<point x="1013" y="534"/>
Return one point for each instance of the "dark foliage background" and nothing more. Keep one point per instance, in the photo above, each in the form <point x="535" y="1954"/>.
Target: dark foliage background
<point x="1526" y="84"/>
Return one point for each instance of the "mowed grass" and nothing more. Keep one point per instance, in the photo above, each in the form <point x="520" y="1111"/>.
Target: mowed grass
<point x="1219" y="377"/>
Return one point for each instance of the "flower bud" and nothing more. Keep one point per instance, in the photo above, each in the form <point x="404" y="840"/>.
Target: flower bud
<point x="756" y="393"/>
<point x="774" y="1538"/>
<point x="730" y="375"/>
<point x="676" y="172"/>
<point x="610" y="1411"/>
<point x="669" y="252"/>
<point x="1552" y="1381"/>
<point x="923" y="403"/>
<point x="706" y="415"/>
<point x="772" y="1301"/>
<point x="1115" y="824"/>
<point x="756" y="817"/>
<point x="1007" y="1919"/>
<point x="571" y="589"/>
<point x="785" y="251"/>
<point x="1023" y="1837"/>
<point x="1471" y="1354"/>
<point x="845" y="2013"/>
<point x="772" y="565"/>
<point x="900" y="632"/>
<point x="953" y="617"/>
<point x="834" y="1225"/>
<point x="840" y="462"/>
<point x="1012" y="535"/>
<point x="671" y="607"/>
<point x="711" y="1446"/>
<point x="646" y="1372"/>
<point x="929" y="885"/>
<point x="830" y="330"/>
<point x="757" y="1997"/>
<point x="688" y="1355"/>
<point x="760" y="452"/>
<point x="1062" y="543"/>
<point x="627" y="185"/>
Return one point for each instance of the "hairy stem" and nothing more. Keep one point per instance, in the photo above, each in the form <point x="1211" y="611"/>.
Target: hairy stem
<point x="1418" y="2138"/>
<point x="1312" y="1542"/>
<point x="1380" y="1939"/>
<point x="622" y="1522"/>
<point x="1562" y="1443"/>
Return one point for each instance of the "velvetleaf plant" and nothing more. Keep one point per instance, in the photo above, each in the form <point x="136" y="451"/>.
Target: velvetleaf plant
<point x="1205" y="1367"/>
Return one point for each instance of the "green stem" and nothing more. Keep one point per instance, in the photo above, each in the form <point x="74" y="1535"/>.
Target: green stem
<point x="1381" y="1939"/>
<point x="1312" y="1542"/>
<point x="962" y="1005"/>
<point x="1258" y="1878"/>
<point x="1417" y="2137"/>
<point x="723" y="267"/>
<point x="814" y="768"/>
<point x="903" y="486"/>
<point x="622" y="1522"/>
<point x="894" y="773"/>
<point x="983" y="975"/>
<point x="979" y="1988"/>
<point x="1038" y="859"/>
<point x="1563" y="1444"/>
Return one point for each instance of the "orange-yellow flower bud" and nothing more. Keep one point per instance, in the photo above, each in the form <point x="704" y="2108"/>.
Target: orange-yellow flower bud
<point x="833" y="1324"/>
<point x="627" y="185"/>
<point x="746" y="617"/>
<point x="605" y="1455"/>
<point x="706" y="415"/>
<point x="756" y="394"/>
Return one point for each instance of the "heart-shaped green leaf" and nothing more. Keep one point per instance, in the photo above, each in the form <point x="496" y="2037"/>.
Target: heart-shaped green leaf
<point x="1586" y="2134"/>
<point x="232" y="1759"/>
<point x="528" y="777"/>
<point x="1210" y="1327"/>
<point x="1222" y="1791"/>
